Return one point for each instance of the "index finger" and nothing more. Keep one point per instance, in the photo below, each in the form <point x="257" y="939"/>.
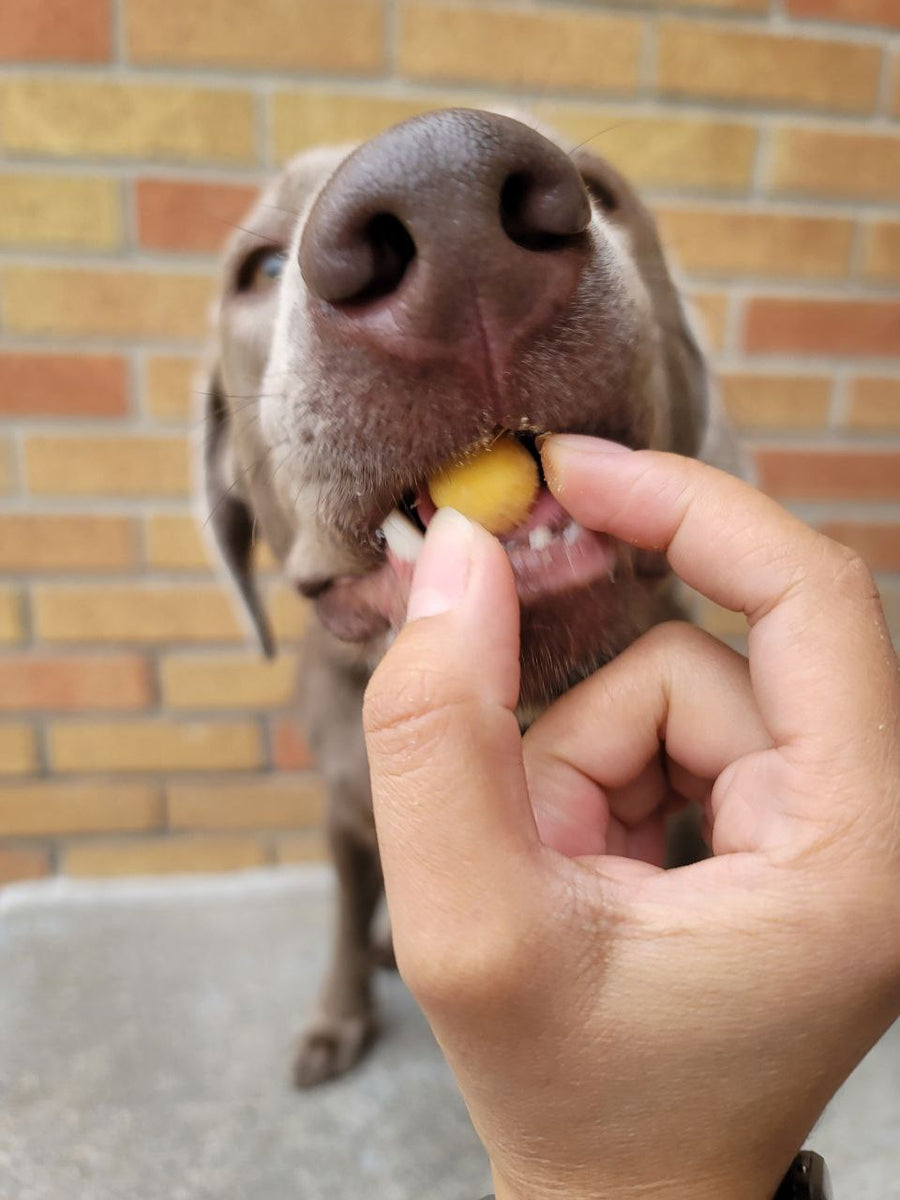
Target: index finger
<point x="821" y="659"/>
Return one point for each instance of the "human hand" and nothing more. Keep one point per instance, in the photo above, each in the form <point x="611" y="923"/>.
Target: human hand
<point x="617" y="1029"/>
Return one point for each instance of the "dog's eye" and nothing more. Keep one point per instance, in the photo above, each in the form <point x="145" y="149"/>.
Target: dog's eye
<point x="603" y="196"/>
<point x="261" y="269"/>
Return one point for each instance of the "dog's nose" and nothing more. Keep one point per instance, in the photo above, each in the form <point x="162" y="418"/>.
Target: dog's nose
<point x="452" y="221"/>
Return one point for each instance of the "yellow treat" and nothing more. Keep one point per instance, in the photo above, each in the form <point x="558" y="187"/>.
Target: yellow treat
<point x="495" y="487"/>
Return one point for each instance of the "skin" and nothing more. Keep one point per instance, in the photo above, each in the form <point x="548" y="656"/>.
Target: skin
<point x="618" y="1030"/>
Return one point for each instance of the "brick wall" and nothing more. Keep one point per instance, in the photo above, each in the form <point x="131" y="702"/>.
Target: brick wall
<point x="136" y="731"/>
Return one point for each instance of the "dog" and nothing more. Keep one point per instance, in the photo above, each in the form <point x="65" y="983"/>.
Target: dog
<point x="384" y="309"/>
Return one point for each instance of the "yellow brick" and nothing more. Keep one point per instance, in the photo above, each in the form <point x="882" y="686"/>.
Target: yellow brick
<point x="48" y="807"/>
<point x="175" y="543"/>
<point x="776" y="401"/>
<point x="10" y="617"/>
<point x="106" y="303"/>
<point x="36" y="543"/>
<point x="281" y="34"/>
<point x="155" y="745"/>
<point x="833" y="163"/>
<point x="18" y="750"/>
<point x="289" y="615"/>
<point x="108" y="466"/>
<point x="233" y="682"/>
<point x="138" y="613"/>
<point x="77" y="117"/>
<point x="881" y="253"/>
<point x="729" y="242"/>
<point x="59" y="210"/>
<point x="874" y="404"/>
<point x="301" y="848"/>
<point x="169" y="384"/>
<point x="712" y="310"/>
<point x="158" y="856"/>
<point x="680" y="152"/>
<point x="496" y="44"/>
<point x="804" y="72"/>
<point x="312" y="118"/>
<point x="263" y="803"/>
<point x="6" y="470"/>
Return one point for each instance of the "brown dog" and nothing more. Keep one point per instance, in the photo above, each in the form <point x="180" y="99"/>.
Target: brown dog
<point x="384" y="310"/>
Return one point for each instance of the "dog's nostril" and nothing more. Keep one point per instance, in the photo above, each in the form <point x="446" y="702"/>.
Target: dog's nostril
<point x="392" y="250"/>
<point x="542" y="214"/>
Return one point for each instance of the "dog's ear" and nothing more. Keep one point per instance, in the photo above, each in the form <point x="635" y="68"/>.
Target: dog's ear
<point x="698" y="426"/>
<point x="229" y="517"/>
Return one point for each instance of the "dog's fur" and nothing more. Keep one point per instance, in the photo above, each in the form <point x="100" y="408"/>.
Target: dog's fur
<point x="294" y="453"/>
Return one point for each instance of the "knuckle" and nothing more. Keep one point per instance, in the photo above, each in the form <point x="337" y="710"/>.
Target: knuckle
<point x="850" y="575"/>
<point x="472" y="975"/>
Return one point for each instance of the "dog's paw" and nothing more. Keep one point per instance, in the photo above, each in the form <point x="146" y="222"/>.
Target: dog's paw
<point x="329" y="1047"/>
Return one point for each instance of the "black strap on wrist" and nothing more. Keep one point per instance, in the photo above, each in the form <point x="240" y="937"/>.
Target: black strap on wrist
<point x="806" y="1179"/>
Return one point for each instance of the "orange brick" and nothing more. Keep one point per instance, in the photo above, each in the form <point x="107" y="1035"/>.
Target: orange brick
<point x="829" y="474"/>
<point x="714" y="61"/>
<point x="303" y="35"/>
<point x="232" y="682"/>
<point x="67" y="117"/>
<point x="74" y="682"/>
<point x="290" y="751"/>
<point x="733" y="242"/>
<point x="879" y="544"/>
<point x="135" y="465"/>
<point x="263" y="803"/>
<point x="22" y="862"/>
<point x="62" y="385"/>
<point x="778" y="325"/>
<point x="18" y="750"/>
<point x="313" y="117"/>
<point x="30" y="809"/>
<point x="176" y="543"/>
<point x="881" y="251"/>
<point x="154" y="745"/>
<point x="776" y="401"/>
<point x="874" y="404"/>
<point x="59" y="211"/>
<point x="55" y="30"/>
<point x="662" y="151"/>
<point x="556" y="49"/>
<point x="11" y="629"/>
<point x="819" y="162"/>
<point x="173" y="215"/>
<point x="158" y="856"/>
<point x="105" y="303"/>
<point x="170" y="382"/>
<point x="859" y="12"/>
<point x="293" y="848"/>
<point x="62" y="543"/>
<point x="137" y="613"/>
<point x="712" y="310"/>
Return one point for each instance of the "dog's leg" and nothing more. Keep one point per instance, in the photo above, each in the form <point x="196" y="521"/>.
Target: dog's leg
<point x="344" y="1024"/>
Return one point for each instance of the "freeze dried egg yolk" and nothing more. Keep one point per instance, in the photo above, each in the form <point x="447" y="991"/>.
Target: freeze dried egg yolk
<point x="495" y="486"/>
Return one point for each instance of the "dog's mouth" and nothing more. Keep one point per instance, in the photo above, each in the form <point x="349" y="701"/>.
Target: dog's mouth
<point x="549" y="551"/>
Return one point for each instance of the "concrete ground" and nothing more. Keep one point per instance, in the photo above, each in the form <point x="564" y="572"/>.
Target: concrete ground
<point x="145" y="1032"/>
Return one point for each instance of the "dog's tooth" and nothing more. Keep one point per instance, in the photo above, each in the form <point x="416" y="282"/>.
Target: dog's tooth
<point x="571" y="532"/>
<point x="539" y="538"/>
<point x="402" y="537"/>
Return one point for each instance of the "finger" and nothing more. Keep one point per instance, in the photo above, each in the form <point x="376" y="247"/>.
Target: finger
<point x="812" y="606"/>
<point x="593" y="759"/>
<point x="451" y="805"/>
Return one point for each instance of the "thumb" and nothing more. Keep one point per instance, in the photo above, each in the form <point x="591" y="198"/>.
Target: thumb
<point x="445" y="753"/>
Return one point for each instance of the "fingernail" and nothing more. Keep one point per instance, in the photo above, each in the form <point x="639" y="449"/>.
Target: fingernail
<point x="442" y="572"/>
<point x="569" y="443"/>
